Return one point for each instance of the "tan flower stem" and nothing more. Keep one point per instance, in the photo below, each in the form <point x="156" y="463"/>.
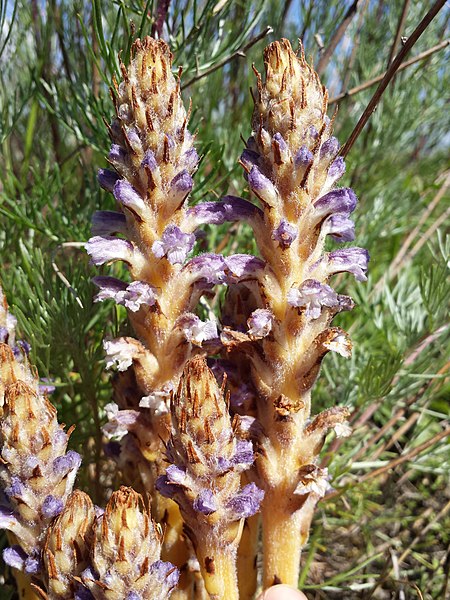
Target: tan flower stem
<point x="284" y="536"/>
<point x="247" y="557"/>
<point x="218" y="567"/>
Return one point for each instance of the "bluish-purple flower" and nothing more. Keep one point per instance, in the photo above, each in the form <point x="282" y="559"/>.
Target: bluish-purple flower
<point x="174" y="244"/>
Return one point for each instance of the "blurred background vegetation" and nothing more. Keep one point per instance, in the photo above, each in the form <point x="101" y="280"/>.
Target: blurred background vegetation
<point x="385" y="531"/>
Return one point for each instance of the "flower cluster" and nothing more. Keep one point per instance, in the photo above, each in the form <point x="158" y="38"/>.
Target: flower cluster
<point x="210" y="459"/>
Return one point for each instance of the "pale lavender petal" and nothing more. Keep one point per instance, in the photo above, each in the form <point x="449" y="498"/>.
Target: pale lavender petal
<point x="107" y="179"/>
<point x="166" y="572"/>
<point x="350" y="260"/>
<point x="4" y="334"/>
<point x="16" y="489"/>
<point x="62" y="465"/>
<point x="229" y="208"/>
<point x="343" y="201"/>
<point x="195" y="330"/>
<point x="107" y="249"/>
<point x="51" y="507"/>
<point x="139" y="293"/>
<point x="128" y="197"/>
<point x="285" y="234"/>
<point x="117" y="154"/>
<point x="243" y="266"/>
<point x="7" y="518"/>
<point x="340" y="227"/>
<point x="182" y="183"/>
<point x="107" y="222"/>
<point x="247" y="502"/>
<point x="205" y="503"/>
<point x="262" y="186"/>
<point x="190" y="159"/>
<point x="279" y="139"/>
<point x="176" y="475"/>
<point x="208" y="267"/>
<point x="32" y="566"/>
<point x="304" y="157"/>
<point x="260" y="323"/>
<point x="329" y="148"/>
<point x="312" y="295"/>
<point x="249" y="158"/>
<point x="149" y="161"/>
<point x="15" y="557"/>
<point x="110" y="289"/>
<point x="336" y="169"/>
<point x="174" y="244"/>
<point x="244" y="453"/>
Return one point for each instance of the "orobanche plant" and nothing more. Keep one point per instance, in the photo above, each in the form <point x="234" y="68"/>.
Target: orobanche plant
<point x="211" y="427"/>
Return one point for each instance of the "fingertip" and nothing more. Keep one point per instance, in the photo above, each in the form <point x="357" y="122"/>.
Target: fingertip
<point x="282" y="592"/>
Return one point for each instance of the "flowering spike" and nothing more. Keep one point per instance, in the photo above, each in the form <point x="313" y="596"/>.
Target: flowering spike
<point x="204" y="476"/>
<point x="126" y="553"/>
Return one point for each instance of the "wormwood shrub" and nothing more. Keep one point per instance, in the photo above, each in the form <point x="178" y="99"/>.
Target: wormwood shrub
<point x="230" y="440"/>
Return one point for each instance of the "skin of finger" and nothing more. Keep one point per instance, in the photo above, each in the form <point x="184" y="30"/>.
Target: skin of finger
<point x="282" y="592"/>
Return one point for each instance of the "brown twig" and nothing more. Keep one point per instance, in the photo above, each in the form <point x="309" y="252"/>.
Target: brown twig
<point x="336" y="38"/>
<point x="238" y="53"/>
<point x="161" y="14"/>
<point x="390" y="74"/>
<point x="404" y="65"/>
<point x="398" y="33"/>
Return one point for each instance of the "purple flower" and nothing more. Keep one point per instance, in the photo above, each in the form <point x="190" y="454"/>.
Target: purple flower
<point x="340" y="227"/>
<point x="117" y="154"/>
<point x="260" y="323"/>
<point x="174" y="244"/>
<point x="241" y="266"/>
<point x="304" y="157"/>
<point x="350" y="260"/>
<point x="335" y="170"/>
<point x="126" y="195"/>
<point x="51" y="507"/>
<point x="205" y="503"/>
<point x="139" y="293"/>
<point x="244" y="453"/>
<point x="343" y="201"/>
<point x="110" y="289"/>
<point x="312" y="295"/>
<point x="107" y="179"/>
<point x="108" y="248"/>
<point x="166" y="572"/>
<point x="106" y="222"/>
<point x="262" y="187"/>
<point x="62" y="465"/>
<point x="4" y="334"/>
<point x="195" y="330"/>
<point x="230" y="208"/>
<point x="249" y="158"/>
<point x="176" y="475"/>
<point x="132" y="295"/>
<point x="246" y="502"/>
<point x="15" y="557"/>
<point x="284" y="234"/>
<point x="16" y="489"/>
<point x="46" y="387"/>
<point x="32" y="566"/>
<point x="190" y="159"/>
<point x="329" y="148"/>
<point x="181" y="184"/>
<point x="210" y="267"/>
<point x="149" y="161"/>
